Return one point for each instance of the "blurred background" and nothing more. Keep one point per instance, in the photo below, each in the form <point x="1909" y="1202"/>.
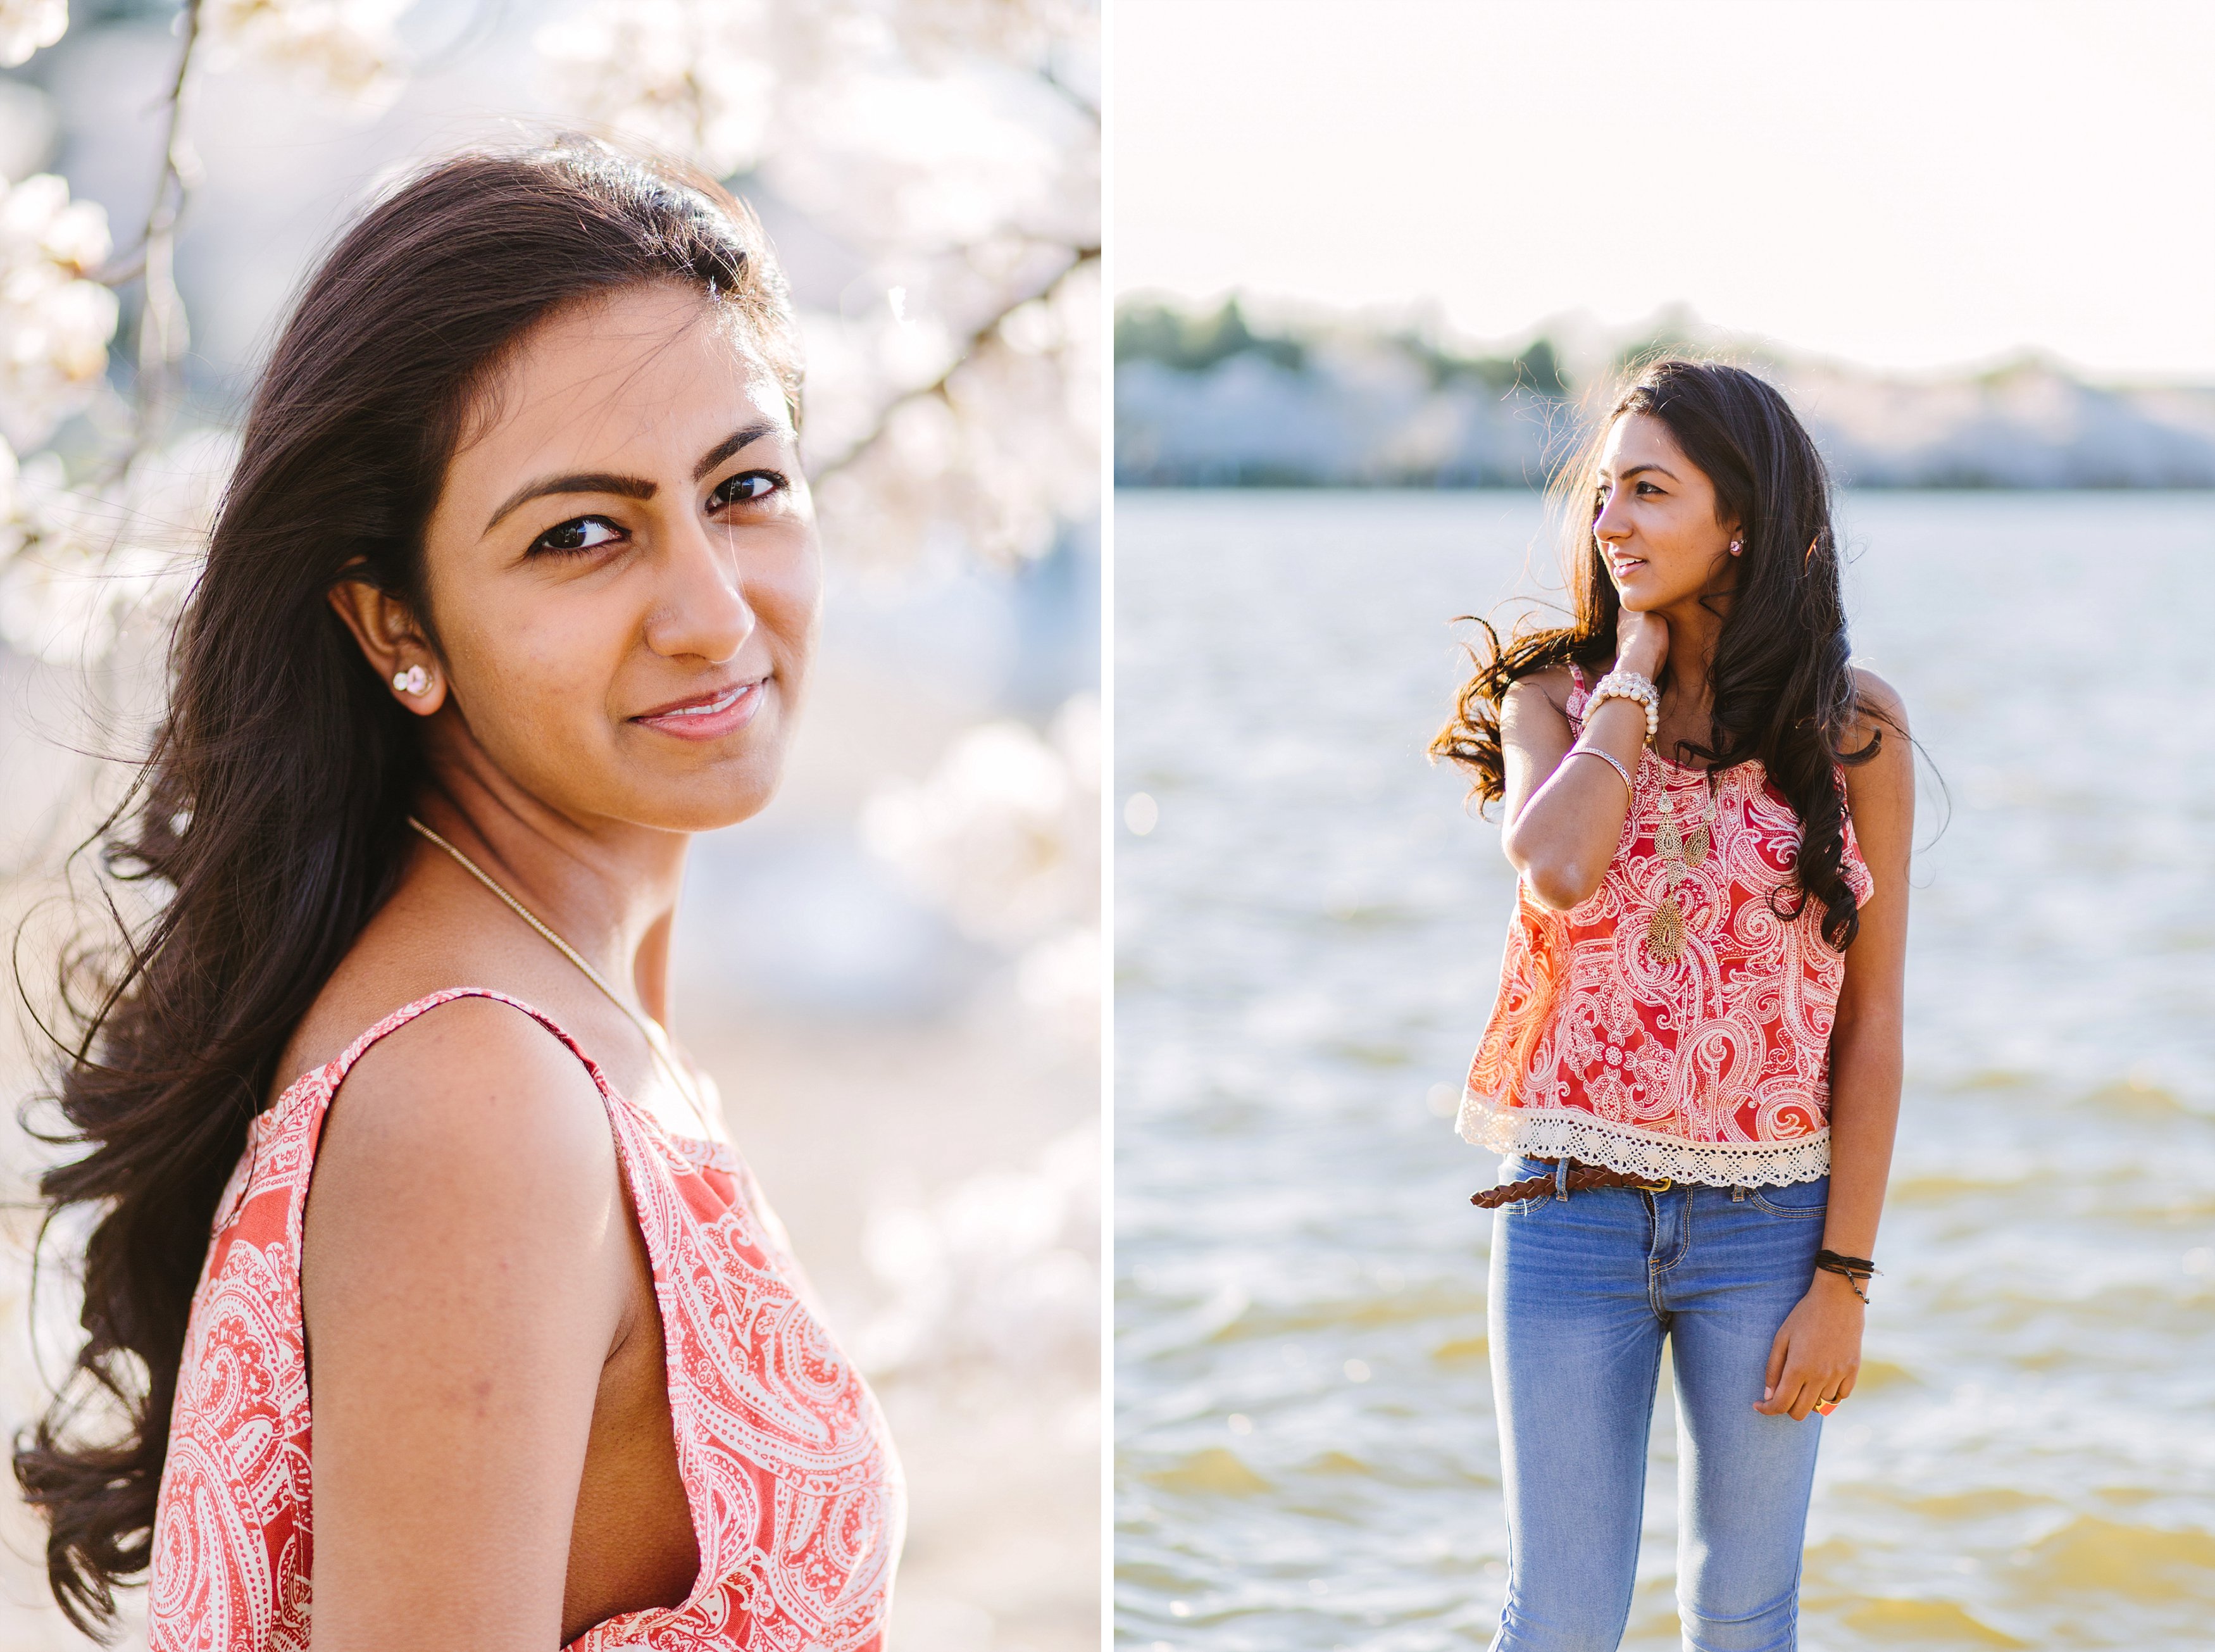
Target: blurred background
<point x="1366" y="279"/>
<point x="894" y="973"/>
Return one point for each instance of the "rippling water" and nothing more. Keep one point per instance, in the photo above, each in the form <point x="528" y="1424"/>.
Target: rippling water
<point x="1309" y="939"/>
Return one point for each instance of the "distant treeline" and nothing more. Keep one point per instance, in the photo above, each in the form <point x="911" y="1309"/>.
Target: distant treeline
<point x="1194" y="342"/>
<point x="1205" y="397"/>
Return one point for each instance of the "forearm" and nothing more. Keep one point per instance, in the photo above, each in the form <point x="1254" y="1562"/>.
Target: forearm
<point x="1817" y="1351"/>
<point x="1563" y="837"/>
<point x="1865" y="1079"/>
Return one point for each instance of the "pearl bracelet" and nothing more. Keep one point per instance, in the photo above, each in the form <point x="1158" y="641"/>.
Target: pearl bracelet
<point x="1628" y="685"/>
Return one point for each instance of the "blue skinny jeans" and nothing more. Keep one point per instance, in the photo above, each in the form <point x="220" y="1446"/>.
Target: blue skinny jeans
<point x="1584" y="1289"/>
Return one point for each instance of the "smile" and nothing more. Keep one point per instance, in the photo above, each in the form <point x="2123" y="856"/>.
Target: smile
<point x="708" y="716"/>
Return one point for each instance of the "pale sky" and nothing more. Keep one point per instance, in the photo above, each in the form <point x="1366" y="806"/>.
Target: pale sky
<point x="1910" y="186"/>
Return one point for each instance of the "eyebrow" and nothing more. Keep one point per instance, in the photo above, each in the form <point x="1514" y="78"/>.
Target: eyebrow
<point x="604" y="482"/>
<point x="1637" y="469"/>
<point x="730" y="445"/>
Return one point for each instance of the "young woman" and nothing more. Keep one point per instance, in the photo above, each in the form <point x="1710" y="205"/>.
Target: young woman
<point x="1694" y="1063"/>
<point x="515" y="586"/>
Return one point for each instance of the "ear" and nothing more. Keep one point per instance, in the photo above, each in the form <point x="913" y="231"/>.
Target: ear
<point x="393" y="643"/>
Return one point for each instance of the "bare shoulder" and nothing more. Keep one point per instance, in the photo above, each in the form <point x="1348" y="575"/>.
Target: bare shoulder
<point x="472" y="1114"/>
<point x="1880" y="701"/>
<point x="1880" y="717"/>
<point x="1881" y="787"/>
<point x="1549" y="688"/>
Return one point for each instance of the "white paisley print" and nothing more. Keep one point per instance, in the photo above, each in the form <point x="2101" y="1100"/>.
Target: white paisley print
<point x="795" y="1493"/>
<point x="1713" y="1067"/>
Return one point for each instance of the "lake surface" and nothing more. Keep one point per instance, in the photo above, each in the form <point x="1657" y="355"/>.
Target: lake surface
<point x="1308" y="937"/>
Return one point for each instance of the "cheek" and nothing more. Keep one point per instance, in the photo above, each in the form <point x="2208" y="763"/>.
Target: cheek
<point x="1689" y="539"/>
<point x="787" y="601"/>
<point x="553" y="658"/>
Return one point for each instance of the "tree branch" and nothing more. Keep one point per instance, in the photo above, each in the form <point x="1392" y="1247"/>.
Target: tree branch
<point x="977" y="341"/>
<point x="161" y="317"/>
<point x="1075" y="99"/>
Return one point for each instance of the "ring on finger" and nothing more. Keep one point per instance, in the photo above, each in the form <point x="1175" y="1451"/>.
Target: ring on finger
<point x="1826" y="1406"/>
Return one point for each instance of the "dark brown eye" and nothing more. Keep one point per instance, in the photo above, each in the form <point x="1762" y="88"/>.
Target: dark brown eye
<point x="583" y="533"/>
<point x="748" y="487"/>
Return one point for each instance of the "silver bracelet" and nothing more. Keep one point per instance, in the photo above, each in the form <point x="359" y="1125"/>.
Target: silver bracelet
<point x="1628" y="685"/>
<point x="1613" y="762"/>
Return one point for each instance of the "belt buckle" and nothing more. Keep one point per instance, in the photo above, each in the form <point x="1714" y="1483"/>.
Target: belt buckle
<point x="1662" y="1185"/>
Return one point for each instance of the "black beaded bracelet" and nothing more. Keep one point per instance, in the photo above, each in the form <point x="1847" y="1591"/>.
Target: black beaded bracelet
<point x="1854" y="1269"/>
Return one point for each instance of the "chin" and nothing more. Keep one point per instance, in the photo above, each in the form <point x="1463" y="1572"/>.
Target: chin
<point x="710" y="803"/>
<point x="708" y="797"/>
<point x="1650" y="596"/>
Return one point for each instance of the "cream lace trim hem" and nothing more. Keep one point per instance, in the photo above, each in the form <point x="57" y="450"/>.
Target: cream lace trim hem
<point x="1564" y="1133"/>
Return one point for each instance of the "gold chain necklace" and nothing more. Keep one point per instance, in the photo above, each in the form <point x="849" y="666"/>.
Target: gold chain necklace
<point x="1683" y="850"/>
<point x="657" y="1040"/>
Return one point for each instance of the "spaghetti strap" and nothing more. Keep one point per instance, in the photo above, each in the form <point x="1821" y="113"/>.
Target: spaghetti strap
<point x="343" y="1064"/>
<point x="306" y="1102"/>
<point x="312" y="1093"/>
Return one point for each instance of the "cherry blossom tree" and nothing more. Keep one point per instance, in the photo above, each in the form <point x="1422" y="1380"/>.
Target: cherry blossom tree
<point x="950" y="150"/>
<point x="950" y="147"/>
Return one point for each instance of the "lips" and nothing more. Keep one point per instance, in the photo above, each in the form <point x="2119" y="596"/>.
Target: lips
<point x="708" y="715"/>
<point x="1624" y="567"/>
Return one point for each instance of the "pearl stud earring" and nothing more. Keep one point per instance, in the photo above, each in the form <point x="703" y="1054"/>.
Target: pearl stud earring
<point x="414" y="680"/>
<point x="1736" y="547"/>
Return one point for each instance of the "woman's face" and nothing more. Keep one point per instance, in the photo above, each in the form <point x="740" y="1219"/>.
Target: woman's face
<point x="623" y="570"/>
<point x="1656" y="526"/>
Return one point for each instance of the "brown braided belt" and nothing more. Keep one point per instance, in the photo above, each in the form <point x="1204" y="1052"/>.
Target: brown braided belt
<point x="1583" y="1178"/>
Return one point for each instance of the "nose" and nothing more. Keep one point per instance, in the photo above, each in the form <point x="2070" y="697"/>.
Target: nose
<point x="701" y="610"/>
<point x="1610" y="524"/>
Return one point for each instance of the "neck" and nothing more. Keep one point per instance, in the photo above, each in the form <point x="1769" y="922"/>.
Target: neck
<point x="608" y="889"/>
<point x="1693" y="630"/>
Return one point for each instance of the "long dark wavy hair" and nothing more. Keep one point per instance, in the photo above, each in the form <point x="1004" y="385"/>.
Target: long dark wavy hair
<point x="1783" y="691"/>
<point x="269" y="821"/>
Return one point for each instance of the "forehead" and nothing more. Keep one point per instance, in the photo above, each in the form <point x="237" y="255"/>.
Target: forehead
<point x="649" y="370"/>
<point x="1637" y="439"/>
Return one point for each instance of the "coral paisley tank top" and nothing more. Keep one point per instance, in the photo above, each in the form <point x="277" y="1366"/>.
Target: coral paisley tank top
<point x="1710" y="1065"/>
<point x="795" y="1495"/>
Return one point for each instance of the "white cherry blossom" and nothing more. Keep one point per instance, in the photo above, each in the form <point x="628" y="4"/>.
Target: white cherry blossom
<point x="80" y="566"/>
<point x="55" y="323"/>
<point x="28" y="26"/>
<point x="952" y="147"/>
<point x="997" y="1281"/>
<point x="1003" y="834"/>
<point x="347" y="46"/>
<point x="695" y="79"/>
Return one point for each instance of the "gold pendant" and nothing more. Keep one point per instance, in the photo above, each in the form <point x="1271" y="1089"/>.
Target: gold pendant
<point x="1695" y="847"/>
<point x="1667" y="841"/>
<point x="1665" y="931"/>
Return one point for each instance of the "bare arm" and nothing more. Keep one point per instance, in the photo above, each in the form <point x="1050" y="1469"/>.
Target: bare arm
<point x="1865" y="1042"/>
<point x="464" y="1280"/>
<point x="1819" y="1349"/>
<point x="1564" y="818"/>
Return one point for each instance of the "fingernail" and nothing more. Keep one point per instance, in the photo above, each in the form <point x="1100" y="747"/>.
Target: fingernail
<point x="1768" y="1393"/>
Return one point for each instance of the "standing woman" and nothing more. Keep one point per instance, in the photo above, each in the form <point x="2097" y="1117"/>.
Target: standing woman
<point x="514" y="589"/>
<point x="1694" y="1063"/>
